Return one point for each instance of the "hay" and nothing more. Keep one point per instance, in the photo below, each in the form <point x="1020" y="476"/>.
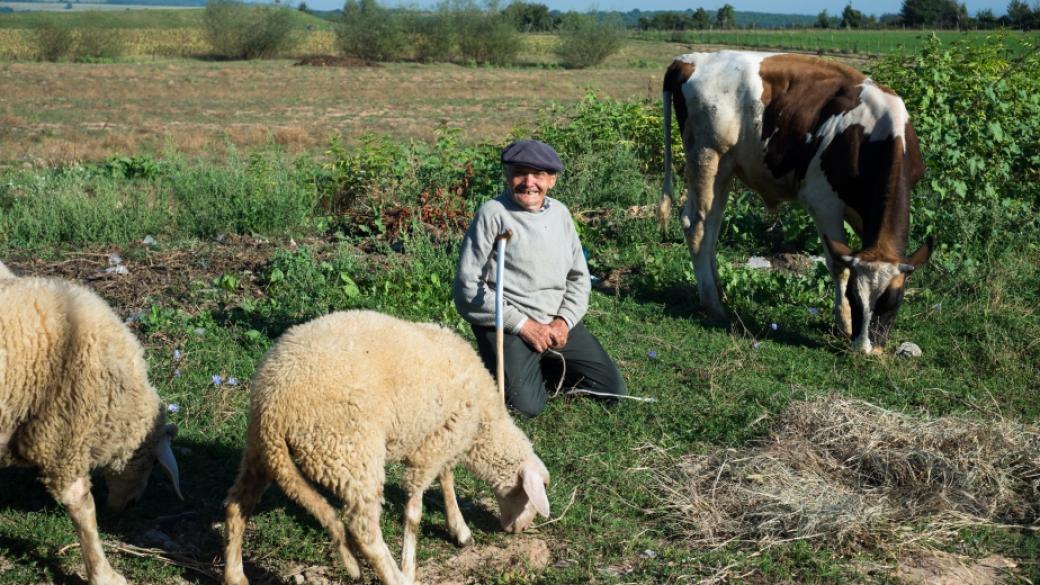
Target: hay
<point x="856" y="476"/>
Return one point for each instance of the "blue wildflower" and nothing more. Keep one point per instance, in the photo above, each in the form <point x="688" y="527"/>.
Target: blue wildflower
<point x="651" y="354"/>
<point x="232" y="381"/>
<point x="172" y="408"/>
<point x="774" y="326"/>
<point x="217" y="379"/>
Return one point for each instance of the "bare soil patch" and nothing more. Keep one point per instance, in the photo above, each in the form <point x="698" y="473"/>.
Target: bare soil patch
<point x="520" y="557"/>
<point x="335" y="61"/>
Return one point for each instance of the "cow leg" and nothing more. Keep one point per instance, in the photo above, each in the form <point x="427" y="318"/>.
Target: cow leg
<point x="708" y="177"/>
<point x="80" y="504"/>
<point x="828" y="213"/>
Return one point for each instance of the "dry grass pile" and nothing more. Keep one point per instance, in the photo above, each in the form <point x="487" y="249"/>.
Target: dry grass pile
<point x="853" y="476"/>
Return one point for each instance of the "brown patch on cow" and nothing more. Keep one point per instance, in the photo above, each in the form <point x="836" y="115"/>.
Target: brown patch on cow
<point x="800" y="93"/>
<point x="874" y="178"/>
<point x="674" y="78"/>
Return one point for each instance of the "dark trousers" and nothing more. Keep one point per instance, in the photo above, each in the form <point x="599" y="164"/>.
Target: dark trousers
<point x="587" y="367"/>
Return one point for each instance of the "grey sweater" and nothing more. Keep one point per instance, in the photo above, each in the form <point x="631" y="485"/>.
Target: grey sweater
<point x="545" y="271"/>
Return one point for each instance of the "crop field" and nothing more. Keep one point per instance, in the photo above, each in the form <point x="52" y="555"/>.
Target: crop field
<point x="216" y="204"/>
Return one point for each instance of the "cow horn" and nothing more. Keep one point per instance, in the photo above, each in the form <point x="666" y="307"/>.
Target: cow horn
<point x="906" y="268"/>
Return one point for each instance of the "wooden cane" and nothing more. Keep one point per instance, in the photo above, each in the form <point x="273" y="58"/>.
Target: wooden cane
<point x="500" y="362"/>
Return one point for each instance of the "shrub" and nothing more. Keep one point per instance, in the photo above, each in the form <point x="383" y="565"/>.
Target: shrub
<point x="53" y="43"/>
<point x="238" y="31"/>
<point x="586" y="41"/>
<point x="369" y="31"/>
<point x="976" y="110"/>
<point x="433" y="37"/>
<point x="487" y="37"/>
<point x="99" y="44"/>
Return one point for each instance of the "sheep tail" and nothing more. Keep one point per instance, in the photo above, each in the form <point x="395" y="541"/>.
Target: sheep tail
<point x="300" y="490"/>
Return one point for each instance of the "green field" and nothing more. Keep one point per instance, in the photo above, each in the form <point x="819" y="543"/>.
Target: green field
<point x="249" y="238"/>
<point x="873" y="42"/>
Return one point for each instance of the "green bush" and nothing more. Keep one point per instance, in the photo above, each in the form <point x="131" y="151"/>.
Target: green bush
<point x="239" y="31"/>
<point x="433" y="37"/>
<point x="586" y="41"/>
<point x="369" y="31"/>
<point x="53" y="42"/>
<point x="976" y="110"/>
<point x="97" y="44"/>
<point x="487" y="37"/>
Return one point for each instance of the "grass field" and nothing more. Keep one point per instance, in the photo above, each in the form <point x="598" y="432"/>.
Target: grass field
<point x="260" y="220"/>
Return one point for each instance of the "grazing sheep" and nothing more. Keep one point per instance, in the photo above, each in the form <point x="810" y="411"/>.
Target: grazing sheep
<point x="337" y="398"/>
<point x="74" y="396"/>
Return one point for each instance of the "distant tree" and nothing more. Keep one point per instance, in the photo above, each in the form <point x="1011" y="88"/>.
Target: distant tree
<point x="891" y="20"/>
<point x="68" y="6"/>
<point x="303" y="7"/>
<point x="701" y="19"/>
<point x="725" y="17"/>
<point x="1019" y="15"/>
<point x="851" y="18"/>
<point x="937" y="13"/>
<point x="530" y="17"/>
<point x="823" y="20"/>
<point x="986" y="19"/>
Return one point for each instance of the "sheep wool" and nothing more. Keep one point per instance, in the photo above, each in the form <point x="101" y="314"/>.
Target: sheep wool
<point x="339" y="397"/>
<point x="74" y="396"/>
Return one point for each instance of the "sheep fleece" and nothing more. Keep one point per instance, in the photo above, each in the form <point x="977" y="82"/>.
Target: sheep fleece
<point x="74" y="392"/>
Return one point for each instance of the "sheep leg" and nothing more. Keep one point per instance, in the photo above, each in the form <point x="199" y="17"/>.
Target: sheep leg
<point x="241" y="499"/>
<point x="80" y="504"/>
<point x="456" y="523"/>
<point x="412" y="515"/>
<point x="363" y="523"/>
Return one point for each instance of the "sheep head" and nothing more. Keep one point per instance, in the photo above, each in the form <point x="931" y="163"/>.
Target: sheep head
<point x="127" y="485"/>
<point x="519" y="503"/>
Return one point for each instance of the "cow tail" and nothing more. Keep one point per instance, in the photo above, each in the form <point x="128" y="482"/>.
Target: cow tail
<point x="664" y="206"/>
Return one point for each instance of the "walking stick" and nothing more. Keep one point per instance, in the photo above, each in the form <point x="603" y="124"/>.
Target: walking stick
<point x="500" y="262"/>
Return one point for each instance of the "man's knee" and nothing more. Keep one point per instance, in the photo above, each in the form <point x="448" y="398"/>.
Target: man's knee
<point x="528" y="399"/>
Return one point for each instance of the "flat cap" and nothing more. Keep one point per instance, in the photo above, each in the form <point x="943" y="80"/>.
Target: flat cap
<point x="534" y="154"/>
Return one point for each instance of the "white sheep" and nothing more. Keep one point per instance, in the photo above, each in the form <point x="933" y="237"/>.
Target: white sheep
<point x="74" y="396"/>
<point x="337" y="398"/>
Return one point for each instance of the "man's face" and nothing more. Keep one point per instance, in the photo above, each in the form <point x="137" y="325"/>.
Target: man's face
<point x="529" y="186"/>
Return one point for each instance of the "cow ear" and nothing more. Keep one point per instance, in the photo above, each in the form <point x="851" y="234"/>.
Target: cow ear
<point x="922" y="254"/>
<point x="839" y="251"/>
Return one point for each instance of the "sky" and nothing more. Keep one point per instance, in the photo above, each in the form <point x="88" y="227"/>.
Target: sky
<point x="813" y="7"/>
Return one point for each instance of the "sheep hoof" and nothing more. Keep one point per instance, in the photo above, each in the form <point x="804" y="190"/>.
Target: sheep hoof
<point x="465" y="542"/>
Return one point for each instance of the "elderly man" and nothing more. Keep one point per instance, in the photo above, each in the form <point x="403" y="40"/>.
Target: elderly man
<point x="546" y="285"/>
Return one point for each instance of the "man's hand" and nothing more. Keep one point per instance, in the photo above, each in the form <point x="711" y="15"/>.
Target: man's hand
<point x="560" y="331"/>
<point x="538" y="336"/>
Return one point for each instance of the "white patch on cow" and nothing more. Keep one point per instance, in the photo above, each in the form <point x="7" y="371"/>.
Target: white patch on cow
<point x="726" y="84"/>
<point x="808" y="138"/>
<point x="882" y="116"/>
<point x="870" y="281"/>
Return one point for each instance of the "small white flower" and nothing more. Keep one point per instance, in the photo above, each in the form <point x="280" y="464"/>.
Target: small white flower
<point x="176" y="355"/>
<point x="232" y="381"/>
<point x="774" y="326"/>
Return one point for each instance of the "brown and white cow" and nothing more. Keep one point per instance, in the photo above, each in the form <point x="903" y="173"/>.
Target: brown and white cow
<point x="797" y="127"/>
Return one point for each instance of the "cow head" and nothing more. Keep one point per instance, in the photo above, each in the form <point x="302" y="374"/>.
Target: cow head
<point x="874" y="289"/>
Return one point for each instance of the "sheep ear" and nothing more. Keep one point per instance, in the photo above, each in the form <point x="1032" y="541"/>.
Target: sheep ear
<point x="534" y="487"/>
<point x="164" y="454"/>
